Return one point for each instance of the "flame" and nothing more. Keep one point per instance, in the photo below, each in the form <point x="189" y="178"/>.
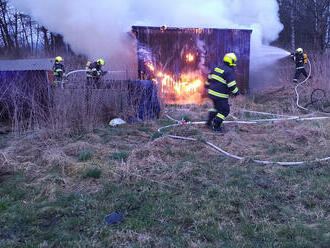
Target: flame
<point x="183" y="90"/>
<point x="150" y="66"/>
<point x="190" y="58"/>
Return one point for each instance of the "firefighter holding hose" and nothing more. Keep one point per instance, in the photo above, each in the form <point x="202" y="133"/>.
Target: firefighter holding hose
<point x="95" y="73"/>
<point x="221" y="83"/>
<point x="300" y="58"/>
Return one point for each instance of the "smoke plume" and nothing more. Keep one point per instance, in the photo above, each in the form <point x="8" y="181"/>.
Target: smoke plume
<point x="99" y="28"/>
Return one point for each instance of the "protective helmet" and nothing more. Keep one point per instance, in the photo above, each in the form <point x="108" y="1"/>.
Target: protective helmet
<point x="58" y="59"/>
<point x="100" y="61"/>
<point x="300" y="50"/>
<point x="230" y="58"/>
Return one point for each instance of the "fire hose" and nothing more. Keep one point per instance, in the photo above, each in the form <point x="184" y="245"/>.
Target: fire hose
<point x="218" y="149"/>
<point x="77" y="71"/>
<point x="301" y="83"/>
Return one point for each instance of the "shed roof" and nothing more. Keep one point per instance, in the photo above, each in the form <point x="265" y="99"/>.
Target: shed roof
<point x="187" y="29"/>
<point x="27" y="64"/>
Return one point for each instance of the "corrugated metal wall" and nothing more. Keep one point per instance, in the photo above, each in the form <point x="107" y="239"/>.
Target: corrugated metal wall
<point x="166" y="47"/>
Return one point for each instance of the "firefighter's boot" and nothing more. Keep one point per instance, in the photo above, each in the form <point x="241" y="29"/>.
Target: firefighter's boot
<point x="211" y="117"/>
<point x="217" y="126"/>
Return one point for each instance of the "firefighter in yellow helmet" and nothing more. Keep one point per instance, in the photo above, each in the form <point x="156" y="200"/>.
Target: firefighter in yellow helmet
<point x="300" y="59"/>
<point x="59" y="71"/>
<point x="221" y="83"/>
<point x="95" y="73"/>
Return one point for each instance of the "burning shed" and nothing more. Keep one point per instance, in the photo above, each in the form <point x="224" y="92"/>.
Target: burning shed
<point x="179" y="59"/>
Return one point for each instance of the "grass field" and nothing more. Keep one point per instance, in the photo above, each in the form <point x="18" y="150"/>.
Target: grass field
<point x="56" y="189"/>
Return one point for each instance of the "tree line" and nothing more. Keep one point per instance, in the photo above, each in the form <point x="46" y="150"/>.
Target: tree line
<point x="306" y="24"/>
<point x="21" y="36"/>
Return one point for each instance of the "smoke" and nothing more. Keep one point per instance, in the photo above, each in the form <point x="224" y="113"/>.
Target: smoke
<point x="99" y="28"/>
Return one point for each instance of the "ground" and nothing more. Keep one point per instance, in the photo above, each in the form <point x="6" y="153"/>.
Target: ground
<point x="57" y="187"/>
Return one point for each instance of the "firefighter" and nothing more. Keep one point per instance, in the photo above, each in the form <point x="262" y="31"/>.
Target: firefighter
<point x="221" y="83"/>
<point x="94" y="73"/>
<point x="300" y="59"/>
<point x="59" y="71"/>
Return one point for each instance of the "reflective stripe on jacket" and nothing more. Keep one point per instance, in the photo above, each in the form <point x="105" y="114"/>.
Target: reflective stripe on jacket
<point x="58" y="69"/>
<point x="94" y="70"/>
<point x="221" y="82"/>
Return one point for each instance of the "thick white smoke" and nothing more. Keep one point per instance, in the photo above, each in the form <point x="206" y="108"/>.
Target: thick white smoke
<point x="99" y="28"/>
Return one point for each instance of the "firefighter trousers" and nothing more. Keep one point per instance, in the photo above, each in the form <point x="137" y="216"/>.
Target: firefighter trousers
<point x="219" y="113"/>
<point x="93" y="82"/>
<point x="298" y="73"/>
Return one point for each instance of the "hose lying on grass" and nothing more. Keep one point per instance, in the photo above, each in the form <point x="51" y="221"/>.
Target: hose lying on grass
<point x="264" y="162"/>
<point x="300" y="84"/>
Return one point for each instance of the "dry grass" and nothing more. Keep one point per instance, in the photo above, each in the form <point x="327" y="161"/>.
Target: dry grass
<point x="41" y="152"/>
<point x="171" y="193"/>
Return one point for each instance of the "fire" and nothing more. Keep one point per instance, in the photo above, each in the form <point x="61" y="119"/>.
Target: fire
<point x="183" y="90"/>
<point x="190" y="58"/>
<point x="186" y="89"/>
<point x="150" y="66"/>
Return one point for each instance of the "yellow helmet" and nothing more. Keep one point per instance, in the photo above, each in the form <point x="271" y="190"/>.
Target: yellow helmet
<point x="230" y="58"/>
<point x="100" y="61"/>
<point x="58" y="59"/>
<point x="300" y="50"/>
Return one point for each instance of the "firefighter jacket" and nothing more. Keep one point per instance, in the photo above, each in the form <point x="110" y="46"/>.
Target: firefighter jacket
<point x="221" y="82"/>
<point x="95" y="70"/>
<point x="300" y="60"/>
<point x="58" y="70"/>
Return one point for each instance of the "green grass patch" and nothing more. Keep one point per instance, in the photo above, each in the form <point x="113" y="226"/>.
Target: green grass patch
<point x="187" y="118"/>
<point x="156" y="135"/>
<point x="85" y="156"/>
<point x="92" y="173"/>
<point x="123" y="155"/>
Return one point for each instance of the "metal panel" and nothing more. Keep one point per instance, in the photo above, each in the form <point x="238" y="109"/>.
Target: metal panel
<point x="27" y="65"/>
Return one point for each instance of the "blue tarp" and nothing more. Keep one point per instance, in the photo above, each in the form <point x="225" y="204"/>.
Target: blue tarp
<point x="149" y="107"/>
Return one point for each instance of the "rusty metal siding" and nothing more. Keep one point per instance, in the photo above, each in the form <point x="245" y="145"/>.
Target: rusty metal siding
<point x="164" y="48"/>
